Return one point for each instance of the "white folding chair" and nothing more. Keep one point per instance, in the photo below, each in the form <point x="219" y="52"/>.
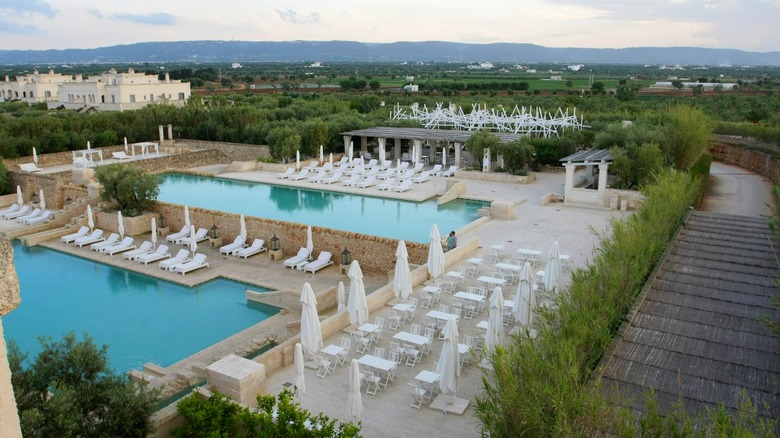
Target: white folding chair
<point x="326" y="366"/>
<point x="417" y="396"/>
<point x="412" y="355"/>
<point x="395" y="320"/>
<point x="415" y="329"/>
<point x="372" y="382"/>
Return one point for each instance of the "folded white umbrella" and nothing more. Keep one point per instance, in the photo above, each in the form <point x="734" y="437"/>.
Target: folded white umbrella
<point x="342" y="297"/>
<point x="154" y="233"/>
<point x="89" y="146"/>
<point x="355" y="400"/>
<point x="402" y="280"/>
<point x="242" y="225"/>
<point x="35" y="156"/>
<point x="495" y="331"/>
<point x="311" y="332"/>
<point x="121" y="224"/>
<point x="322" y="155"/>
<point x="524" y="299"/>
<point x="300" y="382"/>
<point x="90" y="219"/>
<point x="553" y="272"/>
<point x="187" y="216"/>
<point x="309" y="241"/>
<point x="19" y="198"/>
<point x="297" y="160"/>
<point x="43" y="201"/>
<point x="125" y="145"/>
<point x="193" y="243"/>
<point x="443" y="157"/>
<point x="449" y="361"/>
<point x="358" y="306"/>
<point x="435" y="254"/>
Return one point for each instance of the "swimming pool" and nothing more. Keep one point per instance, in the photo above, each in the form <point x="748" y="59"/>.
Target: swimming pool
<point x="375" y="216"/>
<point x="141" y="318"/>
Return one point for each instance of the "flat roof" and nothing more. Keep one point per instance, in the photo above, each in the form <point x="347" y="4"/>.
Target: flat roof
<point x="426" y="134"/>
<point x="589" y="156"/>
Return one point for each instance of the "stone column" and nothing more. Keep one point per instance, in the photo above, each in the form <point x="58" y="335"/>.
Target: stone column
<point x="347" y="141"/>
<point x="603" y="174"/>
<point x="486" y="160"/>
<point x="457" y="155"/>
<point x="363" y="145"/>
<point x="170" y="131"/>
<point x="162" y="134"/>
<point x="396" y="148"/>
<point x="417" y="151"/>
<point x="569" y="184"/>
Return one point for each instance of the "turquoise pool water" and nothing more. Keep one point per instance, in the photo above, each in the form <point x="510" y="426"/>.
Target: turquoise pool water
<point x="142" y="319"/>
<point x="358" y="213"/>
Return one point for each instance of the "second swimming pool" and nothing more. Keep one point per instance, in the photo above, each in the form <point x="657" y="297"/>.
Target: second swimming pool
<point x="375" y="216"/>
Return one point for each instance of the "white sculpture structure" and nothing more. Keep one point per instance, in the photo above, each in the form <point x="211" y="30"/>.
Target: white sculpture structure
<point x="521" y="120"/>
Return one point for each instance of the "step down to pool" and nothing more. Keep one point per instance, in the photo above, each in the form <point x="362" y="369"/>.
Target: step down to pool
<point x="154" y="370"/>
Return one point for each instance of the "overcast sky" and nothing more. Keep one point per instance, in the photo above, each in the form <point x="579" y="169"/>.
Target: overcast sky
<point x="752" y="25"/>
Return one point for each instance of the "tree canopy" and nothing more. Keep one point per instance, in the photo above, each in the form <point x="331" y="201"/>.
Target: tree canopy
<point x="130" y="187"/>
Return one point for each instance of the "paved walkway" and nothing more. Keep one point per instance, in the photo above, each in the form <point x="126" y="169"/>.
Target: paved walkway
<point x="734" y="190"/>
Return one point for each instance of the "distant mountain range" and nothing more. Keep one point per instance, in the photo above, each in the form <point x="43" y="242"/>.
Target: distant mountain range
<point x="351" y="51"/>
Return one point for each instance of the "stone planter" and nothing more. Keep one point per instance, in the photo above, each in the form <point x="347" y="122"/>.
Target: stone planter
<point x="134" y="226"/>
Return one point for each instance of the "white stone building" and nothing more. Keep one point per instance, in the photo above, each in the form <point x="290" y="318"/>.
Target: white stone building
<point x="35" y="87"/>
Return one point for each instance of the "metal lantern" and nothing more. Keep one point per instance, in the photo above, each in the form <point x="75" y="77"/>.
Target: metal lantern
<point x="275" y="243"/>
<point x="162" y="222"/>
<point x="346" y="257"/>
<point x="68" y="201"/>
<point x="35" y="198"/>
<point x="214" y="232"/>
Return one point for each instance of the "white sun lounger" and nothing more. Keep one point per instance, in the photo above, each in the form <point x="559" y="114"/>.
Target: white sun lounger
<point x="286" y="174"/>
<point x="436" y="171"/>
<point x="158" y="254"/>
<point x="125" y="245"/>
<point x="121" y="156"/>
<point x="333" y="178"/>
<point x="185" y="231"/>
<point x="388" y="173"/>
<point x="368" y="182"/>
<point x="30" y="167"/>
<point x="300" y="175"/>
<point x="450" y="171"/>
<point x="112" y="239"/>
<point x="145" y="248"/>
<point x="322" y="174"/>
<point x="404" y="186"/>
<point x="199" y="236"/>
<point x="95" y="236"/>
<point x="35" y="213"/>
<point x="323" y="260"/>
<point x="409" y="174"/>
<point x="23" y="210"/>
<point x="231" y="248"/>
<point x="256" y="248"/>
<point x="197" y="262"/>
<point x="182" y="256"/>
<point x="354" y="179"/>
<point x="73" y="236"/>
<point x="425" y="176"/>
<point x="11" y="209"/>
<point x="38" y="219"/>
<point x="302" y="256"/>
<point x="387" y="185"/>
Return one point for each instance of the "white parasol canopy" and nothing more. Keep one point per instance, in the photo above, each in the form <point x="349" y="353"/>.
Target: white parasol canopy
<point x="43" y="201"/>
<point x="342" y="297"/>
<point x="187" y="216"/>
<point x="553" y="272"/>
<point x="449" y="361"/>
<point x="524" y="299"/>
<point x="242" y="224"/>
<point x="355" y="400"/>
<point x="154" y="233"/>
<point x="121" y="228"/>
<point x="495" y="331"/>
<point x="402" y="281"/>
<point x="435" y="254"/>
<point x="35" y="156"/>
<point x="90" y="219"/>
<point x="19" y="198"/>
<point x="311" y="332"/>
<point x="300" y="380"/>
<point x="298" y="160"/>
<point x="357" y="305"/>
<point x="193" y="243"/>
<point x="309" y="241"/>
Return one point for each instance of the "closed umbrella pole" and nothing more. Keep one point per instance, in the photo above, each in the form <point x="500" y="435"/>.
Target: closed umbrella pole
<point x="435" y="254"/>
<point x="154" y="234"/>
<point x="193" y="243"/>
<point x="311" y="332"/>
<point x="309" y="241"/>
<point x="19" y="198"/>
<point x="242" y="226"/>
<point x="121" y="226"/>
<point x="90" y="219"/>
<point x="342" y="297"/>
<point x="187" y="216"/>
<point x="354" y="401"/>
<point x="300" y="379"/>
<point x="43" y="201"/>
<point x="357" y="305"/>
<point x="402" y="280"/>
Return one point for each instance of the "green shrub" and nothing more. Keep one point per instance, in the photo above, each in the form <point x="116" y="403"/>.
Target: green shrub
<point x="5" y="182"/>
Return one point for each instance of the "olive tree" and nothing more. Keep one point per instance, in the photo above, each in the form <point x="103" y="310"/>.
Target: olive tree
<point x="481" y="140"/>
<point x="130" y="187"/>
<point x="284" y="141"/>
<point x="687" y="133"/>
<point x="517" y="155"/>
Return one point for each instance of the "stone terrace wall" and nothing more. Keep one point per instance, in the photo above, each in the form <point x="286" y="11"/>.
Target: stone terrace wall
<point x="233" y="151"/>
<point x="737" y="151"/>
<point x="376" y="254"/>
<point x="52" y="185"/>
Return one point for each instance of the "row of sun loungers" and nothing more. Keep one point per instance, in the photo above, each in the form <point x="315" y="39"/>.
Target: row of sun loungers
<point x="303" y="262"/>
<point x="392" y="181"/>
<point x="23" y="214"/>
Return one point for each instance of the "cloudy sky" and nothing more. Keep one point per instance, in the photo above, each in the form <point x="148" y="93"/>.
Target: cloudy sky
<point x="58" y="24"/>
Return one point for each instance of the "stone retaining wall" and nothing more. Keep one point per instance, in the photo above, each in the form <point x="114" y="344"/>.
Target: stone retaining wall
<point x="732" y="151"/>
<point x="234" y="151"/>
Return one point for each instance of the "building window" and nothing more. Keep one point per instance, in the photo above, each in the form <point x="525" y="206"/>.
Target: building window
<point x="32" y="94"/>
<point x="132" y="98"/>
<point x="47" y="93"/>
<point x="113" y="98"/>
<point x="181" y="96"/>
<point x="151" y="97"/>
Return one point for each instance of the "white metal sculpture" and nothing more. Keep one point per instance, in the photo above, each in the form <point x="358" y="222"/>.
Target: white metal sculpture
<point x="521" y="120"/>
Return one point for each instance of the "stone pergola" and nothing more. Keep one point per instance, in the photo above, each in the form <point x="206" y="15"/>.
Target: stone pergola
<point x="416" y="136"/>
<point x="572" y="191"/>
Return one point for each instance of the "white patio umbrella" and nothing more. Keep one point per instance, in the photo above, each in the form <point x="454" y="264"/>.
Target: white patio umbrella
<point x="125" y="145"/>
<point x="298" y="160"/>
<point x="495" y="331"/>
<point x="193" y="243"/>
<point x="300" y="380"/>
<point x="330" y="159"/>
<point x="402" y="281"/>
<point x="524" y="299"/>
<point x="357" y="305"/>
<point x="382" y="154"/>
<point x="322" y="155"/>
<point x="90" y="219"/>
<point x="449" y="361"/>
<point x="89" y="146"/>
<point x="35" y="156"/>
<point x="19" y="198"/>
<point x="121" y="224"/>
<point x="187" y="216"/>
<point x="309" y="241"/>
<point x="355" y="400"/>
<point x="311" y="332"/>
<point x="443" y="157"/>
<point x="342" y="297"/>
<point x="553" y="271"/>
<point x="435" y="254"/>
<point x="43" y="201"/>
<point x="398" y="167"/>
<point x="350" y="152"/>
<point x="154" y="234"/>
<point x="242" y="224"/>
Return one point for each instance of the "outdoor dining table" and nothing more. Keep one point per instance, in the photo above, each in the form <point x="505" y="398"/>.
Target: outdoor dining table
<point x="508" y="267"/>
<point x="483" y="325"/>
<point x="509" y="303"/>
<point x="411" y="338"/>
<point x="469" y="296"/>
<point x="405" y="308"/>
<point x="491" y="280"/>
<point x="369" y="329"/>
<point x="377" y="363"/>
<point x="337" y="352"/>
<point x="456" y="274"/>
<point x="529" y="253"/>
<point x="437" y="314"/>
<point x="427" y="377"/>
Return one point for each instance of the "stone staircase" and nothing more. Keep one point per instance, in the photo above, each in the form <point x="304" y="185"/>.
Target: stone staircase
<point x="66" y="221"/>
